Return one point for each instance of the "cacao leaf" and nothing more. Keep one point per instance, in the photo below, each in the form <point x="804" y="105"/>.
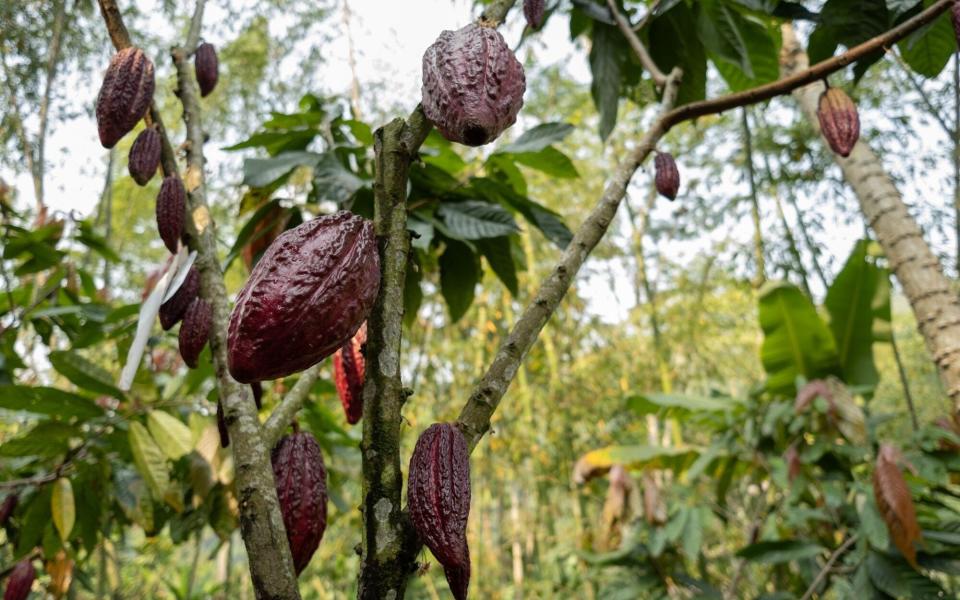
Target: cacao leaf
<point x="173" y="436"/>
<point x="672" y="45"/>
<point x="928" y="50"/>
<point x="895" y="503"/>
<point x="640" y="456"/>
<point x="47" y="401"/>
<point x="549" y="161"/>
<point x="332" y="181"/>
<point x="679" y="405"/>
<point x="499" y="255"/>
<point x="83" y="373"/>
<point x="780" y="551"/>
<point x="537" y="138"/>
<point x="47" y="439"/>
<point x="149" y="460"/>
<point x="474" y="220"/>
<point x="262" y="172"/>
<point x="62" y="507"/>
<point x="605" y="49"/>
<point x="459" y="275"/>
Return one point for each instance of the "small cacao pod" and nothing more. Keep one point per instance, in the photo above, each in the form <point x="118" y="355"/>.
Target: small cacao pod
<point x="21" y="580"/>
<point x="173" y="309"/>
<point x="348" y="369"/>
<point x="472" y="85"/>
<point x="206" y="66"/>
<point x="308" y="295"/>
<point x="195" y="331"/>
<point x="171" y="206"/>
<point x="222" y="426"/>
<point x="533" y="10"/>
<point x="257" y="389"/>
<point x="144" y="156"/>
<point x="839" y="121"/>
<point x="6" y="509"/>
<point x="125" y="95"/>
<point x="667" y="177"/>
<point x="438" y="498"/>
<point x="301" y="481"/>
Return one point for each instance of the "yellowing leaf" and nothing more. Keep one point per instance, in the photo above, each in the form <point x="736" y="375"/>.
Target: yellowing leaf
<point x="173" y="437"/>
<point x="149" y="460"/>
<point x="62" y="507"/>
<point x="60" y="570"/>
<point x="896" y="504"/>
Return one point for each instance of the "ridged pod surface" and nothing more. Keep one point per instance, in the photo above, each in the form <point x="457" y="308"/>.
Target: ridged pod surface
<point x="6" y="509"/>
<point x="173" y="309"/>
<point x="20" y="581"/>
<point x="667" y="177"/>
<point x="301" y="480"/>
<point x="125" y="95"/>
<point x="438" y="498"/>
<point x="195" y="331"/>
<point x="222" y="426"/>
<point x="206" y="67"/>
<point x="144" y="156"/>
<point x="533" y="10"/>
<point x="308" y="295"/>
<point x="839" y="120"/>
<point x="348" y="370"/>
<point x="171" y="206"/>
<point x="472" y="85"/>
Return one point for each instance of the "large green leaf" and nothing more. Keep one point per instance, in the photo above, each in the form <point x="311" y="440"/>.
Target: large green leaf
<point x="928" y="49"/>
<point x="544" y="219"/>
<point x="149" y="459"/>
<point x="674" y="43"/>
<point x="550" y="161"/>
<point x="83" y="373"/>
<point x="261" y="172"/>
<point x="47" y="401"/>
<point x="678" y="404"/>
<point x="459" y="275"/>
<point x="499" y="256"/>
<point x="332" y="181"/>
<point x="762" y="48"/>
<point x="780" y="551"/>
<point x="171" y="434"/>
<point x="537" y="138"/>
<point x="796" y="340"/>
<point x="848" y="23"/>
<point x="607" y="44"/>
<point x="475" y="220"/>
<point x="46" y="439"/>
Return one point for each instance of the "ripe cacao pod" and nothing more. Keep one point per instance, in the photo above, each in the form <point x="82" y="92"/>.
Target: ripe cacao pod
<point x="308" y="295"/>
<point x="171" y="206"/>
<point x="6" y="509"/>
<point x="125" y="95"/>
<point x="257" y="389"/>
<point x="21" y="580"/>
<point x="839" y="120"/>
<point x="438" y="498"/>
<point x="472" y="85"/>
<point x="533" y="10"/>
<point x="206" y="66"/>
<point x="222" y="426"/>
<point x="301" y="481"/>
<point x="173" y="309"/>
<point x="667" y="178"/>
<point x="144" y="156"/>
<point x="195" y="331"/>
<point x="348" y="369"/>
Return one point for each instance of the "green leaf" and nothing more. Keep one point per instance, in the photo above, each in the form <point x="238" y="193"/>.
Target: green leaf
<point x="928" y="50"/>
<point x="332" y="181"/>
<point x="544" y="219"/>
<point x="550" y="161"/>
<point x="47" y="439"/>
<point x="499" y="256"/>
<point x="896" y="578"/>
<point x="62" y="507"/>
<point x="678" y="405"/>
<point x="796" y="340"/>
<point x="635" y="457"/>
<point x="83" y="373"/>
<point x="605" y="66"/>
<point x="459" y="275"/>
<point x="692" y="540"/>
<point x="275" y="142"/>
<point x="900" y="7"/>
<point x="722" y="33"/>
<point x="538" y="138"/>
<point x="35" y="519"/>
<point x="149" y="460"/>
<point x="172" y="435"/>
<point x="848" y="23"/>
<point x="673" y="43"/>
<point x="780" y="551"/>
<point x="475" y="220"/>
<point x="763" y="50"/>
<point x="47" y="401"/>
<point x="261" y="172"/>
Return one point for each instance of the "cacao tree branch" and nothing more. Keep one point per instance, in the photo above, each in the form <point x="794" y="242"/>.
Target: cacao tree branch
<point x="659" y="79"/>
<point x="291" y="404"/>
<point x="827" y="566"/>
<point x="261" y="523"/>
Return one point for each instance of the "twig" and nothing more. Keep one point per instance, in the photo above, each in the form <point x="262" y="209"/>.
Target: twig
<point x="659" y="79"/>
<point x="904" y="382"/>
<point x="292" y="402"/>
<point x="826" y="567"/>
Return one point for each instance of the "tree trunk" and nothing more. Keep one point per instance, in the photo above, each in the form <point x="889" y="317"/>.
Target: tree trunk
<point x="921" y="275"/>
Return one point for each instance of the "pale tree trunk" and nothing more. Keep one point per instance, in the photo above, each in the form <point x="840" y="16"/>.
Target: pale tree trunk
<point x="935" y="305"/>
<point x="758" y="250"/>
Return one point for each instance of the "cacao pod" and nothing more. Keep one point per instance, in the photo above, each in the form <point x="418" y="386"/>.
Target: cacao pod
<point x="308" y="295"/>
<point x="839" y="121"/>
<point x="144" y="156"/>
<point x="348" y="369"/>
<point x="667" y="177"/>
<point x="195" y="331"/>
<point x="438" y="499"/>
<point x="21" y="580"/>
<point x="173" y="309"/>
<point x="125" y="95"/>
<point x="206" y="66"/>
<point x="301" y="481"/>
<point x="222" y="426"/>
<point x="533" y="10"/>
<point x="257" y="388"/>
<point x="472" y="85"/>
<point x="6" y="509"/>
<point x="171" y="206"/>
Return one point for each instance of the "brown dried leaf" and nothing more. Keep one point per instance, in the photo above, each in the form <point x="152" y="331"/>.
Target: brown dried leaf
<point x="895" y="503"/>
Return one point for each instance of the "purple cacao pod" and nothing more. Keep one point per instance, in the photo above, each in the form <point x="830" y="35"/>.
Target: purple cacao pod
<point x="222" y="426"/>
<point x="257" y="389"/>
<point x="6" y="509"/>
<point x="533" y="10"/>
<point x="301" y="481"/>
<point x="195" y="331"/>
<point x="438" y="498"/>
<point x="206" y="67"/>
<point x="171" y="206"/>
<point x="348" y="370"/>
<point x="667" y="177"/>
<point x="472" y="85"/>
<point x="306" y="297"/>
<point x="839" y="121"/>
<point x="173" y="309"/>
<point x="125" y="95"/>
<point x="20" y="581"/>
<point x="144" y="156"/>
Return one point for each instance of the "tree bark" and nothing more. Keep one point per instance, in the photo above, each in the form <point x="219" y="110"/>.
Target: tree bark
<point x="921" y="275"/>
